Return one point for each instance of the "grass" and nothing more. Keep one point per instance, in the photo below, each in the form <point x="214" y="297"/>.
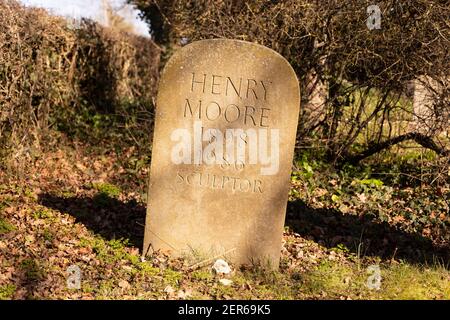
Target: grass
<point x="344" y="278"/>
<point x="172" y="277"/>
<point x="7" y="291"/>
<point x="405" y="281"/>
<point x="32" y="269"/>
<point x="312" y="266"/>
<point x="202" y="275"/>
<point x="42" y="213"/>
<point x="5" y="226"/>
<point x="398" y="281"/>
<point x="107" y="189"/>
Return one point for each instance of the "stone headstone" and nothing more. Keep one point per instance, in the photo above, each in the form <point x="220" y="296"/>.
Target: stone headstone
<point x="314" y="99"/>
<point x="428" y="118"/>
<point x="225" y="130"/>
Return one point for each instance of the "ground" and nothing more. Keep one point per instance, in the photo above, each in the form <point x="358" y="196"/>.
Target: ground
<point x="77" y="205"/>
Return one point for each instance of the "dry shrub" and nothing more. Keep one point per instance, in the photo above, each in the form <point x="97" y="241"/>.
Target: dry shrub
<point x="366" y="72"/>
<point x="112" y="66"/>
<point x="36" y="52"/>
<point x="51" y="71"/>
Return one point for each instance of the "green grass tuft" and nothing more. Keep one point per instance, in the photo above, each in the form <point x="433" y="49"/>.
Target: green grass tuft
<point x="7" y="291"/>
<point x="5" y="226"/>
<point x="107" y="189"/>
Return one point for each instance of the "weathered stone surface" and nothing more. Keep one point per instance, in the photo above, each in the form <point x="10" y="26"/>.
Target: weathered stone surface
<point x="425" y="118"/>
<point x="205" y="198"/>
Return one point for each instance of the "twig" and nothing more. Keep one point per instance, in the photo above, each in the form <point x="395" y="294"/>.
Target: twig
<point x="210" y="259"/>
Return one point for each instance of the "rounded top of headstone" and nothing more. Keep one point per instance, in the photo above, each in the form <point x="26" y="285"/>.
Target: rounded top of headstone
<point x="232" y="44"/>
<point x="220" y="52"/>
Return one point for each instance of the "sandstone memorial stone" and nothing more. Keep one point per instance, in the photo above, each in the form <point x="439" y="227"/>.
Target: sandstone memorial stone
<point x="225" y="131"/>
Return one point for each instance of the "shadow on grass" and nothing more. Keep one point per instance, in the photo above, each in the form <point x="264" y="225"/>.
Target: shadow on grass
<point x="362" y="235"/>
<point x="104" y="215"/>
<point x="114" y="219"/>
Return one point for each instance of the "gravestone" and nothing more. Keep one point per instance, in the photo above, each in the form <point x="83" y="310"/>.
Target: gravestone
<point x="225" y="130"/>
<point x="426" y="118"/>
